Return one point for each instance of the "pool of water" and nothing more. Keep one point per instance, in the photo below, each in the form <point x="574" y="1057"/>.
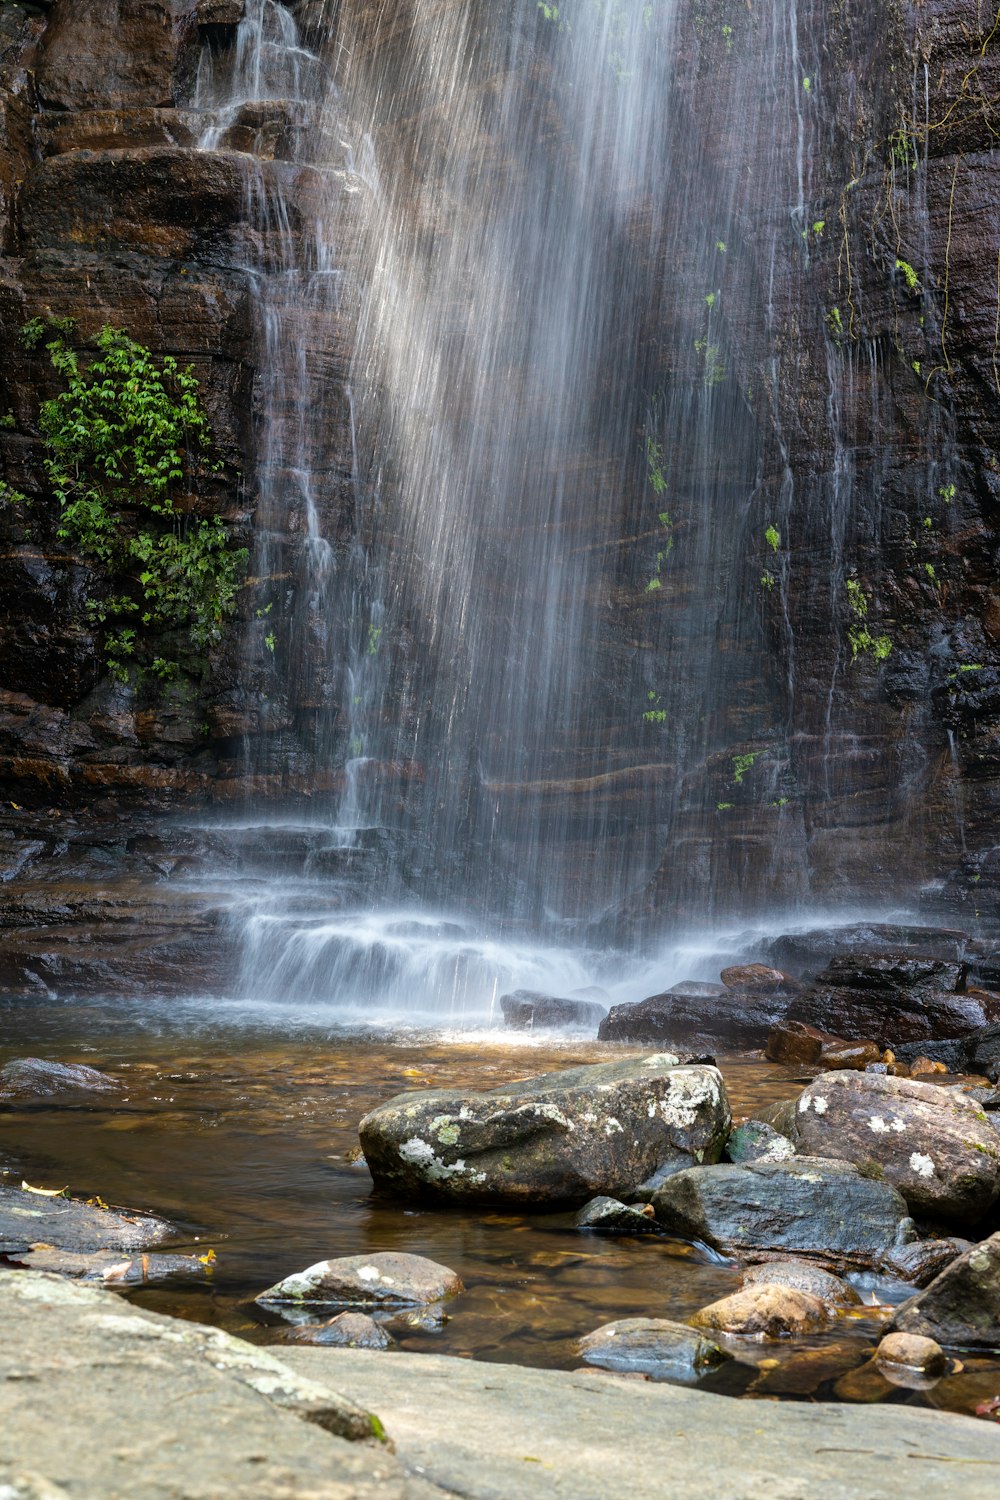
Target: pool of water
<point x="240" y="1127"/>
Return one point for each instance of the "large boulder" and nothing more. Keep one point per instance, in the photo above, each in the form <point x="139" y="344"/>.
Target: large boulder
<point x="961" y="1307"/>
<point x="806" y="1206"/>
<point x="559" y="1138"/>
<point x="935" y="1145"/>
<point x="893" y="998"/>
<point x="733" y="1019"/>
<point x="530" y="1010"/>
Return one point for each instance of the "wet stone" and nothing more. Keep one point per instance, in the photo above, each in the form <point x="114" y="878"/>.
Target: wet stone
<point x="609" y="1216"/>
<point x="922" y="1260"/>
<point x="804" y="1371"/>
<point x="756" y="977"/>
<point x="384" y="1279"/>
<point x="348" y="1330"/>
<point x="806" y="1205"/>
<point x="654" y="1347"/>
<point x="803" y="1276"/>
<point x="960" y="1308"/>
<point x="935" y="1145"/>
<point x="913" y="1352"/>
<point x="27" y="1077"/>
<point x="66" y="1224"/>
<point x="529" y="1010"/>
<point x="111" y="1268"/>
<point x="757" y="1141"/>
<point x="765" y="1311"/>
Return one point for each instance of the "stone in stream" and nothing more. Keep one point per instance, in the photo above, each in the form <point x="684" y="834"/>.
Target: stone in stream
<point x="609" y="1216"/>
<point x="805" y="1206"/>
<point x="348" y="1330"/>
<point x="656" y="1347"/>
<point x="529" y="1010"/>
<point x="960" y="1308"/>
<point x="893" y="999"/>
<point x="720" y="1018"/>
<point x="110" y="1268"/>
<point x="385" y="1279"/>
<point x="765" y="1310"/>
<point x="913" y="1352"/>
<point x="561" y="1138"/>
<point x="35" y="1077"/>
<point x="935" y="1145"/>
<point x="803" y="1276"/>
<point x="65" y="1224"/>
<point x="922" y="1260"/>
<point x="756" y="1141"/>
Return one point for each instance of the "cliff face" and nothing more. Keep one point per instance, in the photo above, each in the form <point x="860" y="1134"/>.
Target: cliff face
<point x="858" y="380"/>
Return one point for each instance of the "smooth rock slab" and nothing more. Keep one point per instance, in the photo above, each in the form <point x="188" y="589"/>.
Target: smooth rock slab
<point x="500" y="1432"/>
<point x="656" y="1347"/>
<point x="383" y="1280"/>
<point x="765" y="1311"/>
<point x="35" y="1077"/>
<point x="935" y="1145"/>
<point x="809" y="1206"/>
<point x="556" y="1139"/>
<point x="961" y="1307"/>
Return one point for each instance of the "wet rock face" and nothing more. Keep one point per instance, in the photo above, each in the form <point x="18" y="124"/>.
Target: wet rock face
<point x="961" y="1307"/>
<point x="31" y="1077"/>
<point x="135" y="53"/>
<point x="937" y="1147"/>
<point x="809" y="1205"/>
<point x="803" y="1277"/>
<point x="560" y="1138"/>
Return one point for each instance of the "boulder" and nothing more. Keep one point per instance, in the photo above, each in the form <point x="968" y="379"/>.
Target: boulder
<point x="933" y="1144"/>
<point x="893" y="999"/>
<point x="652" y="1346"/>
<point x="34" y="1077"/>
<point x="732" y="1019"/>
<point x="766" y="1311"/>
<point x="804" y="1206"/>
<point x="796" y="1043"/>
<point x="961" y="1306"/>
<point x="528" y="1010"/>
<point x="756" y="1141"/>
<point x="758" y="977"/>
<point x="782" y="1116"/>
<point x="557" y="1139"/>
<point x="802" y="1276"/>
<point x="609" y="1216"/>
<point x="384" y="1280"/>
<point x="984" y="1053"/>
<point x="913" y="1352"/>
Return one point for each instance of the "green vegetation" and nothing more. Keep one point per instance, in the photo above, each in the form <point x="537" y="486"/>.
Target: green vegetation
<point x="741" y="765"/>
<point x="909" y="276"/>
<point x="714" y="368"/>
<point x="125" y="445"/>
<point x="863" y="643"/>
<point x="654" y="466"/>
<point x="772" y="537"/>
<point x="767" y="580"/>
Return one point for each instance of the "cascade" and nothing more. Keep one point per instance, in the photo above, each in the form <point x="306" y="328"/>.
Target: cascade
<point x="530" y="649"/>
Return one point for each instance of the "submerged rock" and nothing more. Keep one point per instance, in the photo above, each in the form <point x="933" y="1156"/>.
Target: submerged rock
<point x="656" y="1347"/>
<point x="527" y="1010"/>
<point x="765" y="1310"/>
<point x="802" y="1276"/>
<point x="822" y="1208"/>
<point x="385" y="1279"/>
<point x="110" y="1268"/>
<point x="609" y="1216"/>
<point x="935" y="1145"/>
<point x="961" y="1306"/>
<point x="560" y="1138"/>
<point x="36" y="1077"/>
<point x="757" y="1141"/>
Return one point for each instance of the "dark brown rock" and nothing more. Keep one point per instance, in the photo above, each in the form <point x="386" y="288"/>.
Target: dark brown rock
<point x="913" y="1352"/>
<point x="733" y="1019"/>
<point x="922" y="1260"/>
<point x="66" y="1224"/>
<point x="527" y="1010"/>
<point x="756" y="977"/>
<point x="961" y="1306"/>
<point x="139" y="52"/>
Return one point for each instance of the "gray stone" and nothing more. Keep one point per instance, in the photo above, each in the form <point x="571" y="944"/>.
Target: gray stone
<point x="528" y="1010"/>
<point x="385" y="1279"/>
<point x="499" y="1432"/>
<point x="348" y="1330"/>
<point x="609" y="1216"/>
<point x="27" y="1077"/>
<point x="757" y="1141"/>
<point x="935" y="1145"/>
<point x="28" y="1219"/>
<point x="102" y="1399"/>
<point x="111" y="1268"/>
<point x="652" y="1346"/>
<point x="687" y="1015"/>
<point x="561" y="1138"/>
<point x="823" y="1208"/>
<point x="922" y="1260"/>
<point x="961" y="1306"/>
<point x="803" y="1277"/>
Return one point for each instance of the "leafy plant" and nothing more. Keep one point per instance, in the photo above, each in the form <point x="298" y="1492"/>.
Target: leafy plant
<point x="909" y="276"/>
<point x="124" y="443"/>
<point x="772" y="537"/>
<point x="741" y="765"/>
<point x="862" y="642"/>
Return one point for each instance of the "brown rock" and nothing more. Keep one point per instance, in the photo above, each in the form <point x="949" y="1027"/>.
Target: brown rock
<point x="384" y="1279"/>
<point x="793" y="1042"/>
<point x="926" y="1065"/>
<point x="913" y="1351"/>
<point x="764" y="1311"/>
<point x="756" y="977"/>
<point x="847" y="1056"/>
<point x="803" y="1276"/>
<point x="137" y="52"/>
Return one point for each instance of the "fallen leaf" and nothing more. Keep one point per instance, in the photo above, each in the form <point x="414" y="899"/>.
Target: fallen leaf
<point x="62" y="1192"/>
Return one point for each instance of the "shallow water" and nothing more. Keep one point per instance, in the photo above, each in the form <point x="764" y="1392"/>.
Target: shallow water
<point x="241" y="1132"/>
